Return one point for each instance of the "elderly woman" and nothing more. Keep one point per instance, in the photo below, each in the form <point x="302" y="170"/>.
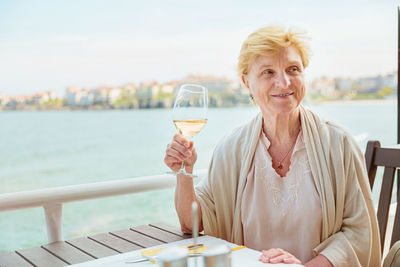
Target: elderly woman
<point x="288" y="183"/>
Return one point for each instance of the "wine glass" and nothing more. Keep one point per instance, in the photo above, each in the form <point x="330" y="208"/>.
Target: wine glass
<point x="190" y="113"/>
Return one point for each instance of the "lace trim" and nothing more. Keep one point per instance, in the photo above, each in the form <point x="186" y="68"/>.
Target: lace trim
<point x="284" y="190"/>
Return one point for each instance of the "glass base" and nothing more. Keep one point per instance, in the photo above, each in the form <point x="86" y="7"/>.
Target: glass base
<point x="183" y="171"/>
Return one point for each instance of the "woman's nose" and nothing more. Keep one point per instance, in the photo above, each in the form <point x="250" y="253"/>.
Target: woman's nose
<point x="282" y="80"/>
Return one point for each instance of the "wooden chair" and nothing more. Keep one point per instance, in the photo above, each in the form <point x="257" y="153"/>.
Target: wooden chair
<point x="389" y="158"/>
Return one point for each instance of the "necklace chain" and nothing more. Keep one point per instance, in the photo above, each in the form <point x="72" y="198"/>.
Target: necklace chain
<point x="280" y="166"/>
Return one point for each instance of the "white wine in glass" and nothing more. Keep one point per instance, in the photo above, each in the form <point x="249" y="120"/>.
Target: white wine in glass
<point x="190" y="128"/>
<point x="190" y="113"/>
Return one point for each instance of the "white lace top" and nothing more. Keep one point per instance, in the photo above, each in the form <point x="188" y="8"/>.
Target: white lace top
<point x="281" y="212"/>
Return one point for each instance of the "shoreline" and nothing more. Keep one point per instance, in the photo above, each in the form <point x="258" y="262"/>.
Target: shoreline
<point x="391" y="101"/>
<point x="356" y="102"/>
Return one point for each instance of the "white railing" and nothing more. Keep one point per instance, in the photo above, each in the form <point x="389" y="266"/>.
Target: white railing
<point x="52" y="199"/>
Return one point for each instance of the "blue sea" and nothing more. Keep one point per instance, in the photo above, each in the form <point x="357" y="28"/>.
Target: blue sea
<point x="57" y="148"/>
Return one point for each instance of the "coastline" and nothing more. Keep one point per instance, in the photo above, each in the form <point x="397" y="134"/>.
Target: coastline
<point x="391" y="101"/>
<point x="355" y="102"/>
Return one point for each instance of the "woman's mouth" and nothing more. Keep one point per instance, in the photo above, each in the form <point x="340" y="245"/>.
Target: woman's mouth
<point x="283" y="95"/>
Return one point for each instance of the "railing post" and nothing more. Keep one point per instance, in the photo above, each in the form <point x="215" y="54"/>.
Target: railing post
<point x="53" y="213"/>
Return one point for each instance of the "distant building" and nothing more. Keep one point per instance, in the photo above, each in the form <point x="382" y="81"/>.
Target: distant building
<point x="4" y="99"/>
<point x="129" y="90"/>
<point x="40" y="98"/>
<point x="53" y="95"/>
<point x="323" y="86"/>
<point x="390" y="80"/>
<point x="113" y="95"/>
<point x="214" y="84"/>
<point x="221" y="91"/>
<point x="86" y="98"/>
<point x="343" y="84"/>
<point x="72" y="96"/>
<point x="17" y="102"/>
<point x="369" y="85"/>
<point x="167" y="89"/>
<point x="100" y="95"/>
<point x="144" y="94"/>
<point x="12" y="104"/>
<point x="155" y="89"/>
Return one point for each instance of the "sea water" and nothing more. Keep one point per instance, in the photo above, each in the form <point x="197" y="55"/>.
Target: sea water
<point x="57" y="148"/>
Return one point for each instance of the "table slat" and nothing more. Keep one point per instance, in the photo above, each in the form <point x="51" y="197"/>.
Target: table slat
<point x="40" y="257"/>
<point x="170" y="228"/>
<point x="96" y="246"/>
<point x="67" y="252"/>
<point x="91" y="247"/>
<point x="157" y="233"/>
<point x="114" y="242"/>
<point x="12" y="259"/>
<point x="137" y="238"/>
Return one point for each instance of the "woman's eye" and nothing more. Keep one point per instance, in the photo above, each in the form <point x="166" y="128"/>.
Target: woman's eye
<point x="293" y="69"/>
<point x="267" y="72"/>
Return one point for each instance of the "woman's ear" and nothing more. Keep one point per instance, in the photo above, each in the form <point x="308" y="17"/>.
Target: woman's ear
<point x="245" y="81"/>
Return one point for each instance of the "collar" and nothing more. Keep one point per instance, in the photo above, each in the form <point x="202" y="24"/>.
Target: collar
<point x="299" y="145"/>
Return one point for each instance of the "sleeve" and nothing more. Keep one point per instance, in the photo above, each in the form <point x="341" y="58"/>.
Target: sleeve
<point x="350" y="246"/>
<point x="205" y="197"/>
<point x="355" y="242"/>
<point x="216" y="193"/>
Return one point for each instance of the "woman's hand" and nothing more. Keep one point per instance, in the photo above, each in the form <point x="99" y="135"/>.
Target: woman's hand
<point x="277" y="255"/>
<point x="180" y="149"/>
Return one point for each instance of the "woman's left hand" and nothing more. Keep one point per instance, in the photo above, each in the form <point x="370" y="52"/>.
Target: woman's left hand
<point x="277" y="255"/>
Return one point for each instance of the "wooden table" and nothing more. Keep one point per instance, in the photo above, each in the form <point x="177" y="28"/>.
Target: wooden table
<point x="94" y="246"/>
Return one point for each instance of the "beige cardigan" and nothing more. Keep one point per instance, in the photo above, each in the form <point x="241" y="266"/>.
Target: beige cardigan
<point x="349" y="226"/>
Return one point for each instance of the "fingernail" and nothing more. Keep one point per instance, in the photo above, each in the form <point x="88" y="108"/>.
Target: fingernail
<point x="186" y="144"/>
<point x="187" y="153"/>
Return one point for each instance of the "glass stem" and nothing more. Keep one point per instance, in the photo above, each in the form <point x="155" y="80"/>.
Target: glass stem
<point x="183" y="166"/>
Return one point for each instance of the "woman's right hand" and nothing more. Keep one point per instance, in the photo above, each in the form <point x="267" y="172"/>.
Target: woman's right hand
<point x="180" y="149"/>
<point x="277" y="255"/>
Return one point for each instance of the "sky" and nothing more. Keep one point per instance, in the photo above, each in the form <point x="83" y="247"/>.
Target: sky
<point x="49" y="45"/>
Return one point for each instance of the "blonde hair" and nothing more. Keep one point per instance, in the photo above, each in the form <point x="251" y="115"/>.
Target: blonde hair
<point x="267" y="41"/>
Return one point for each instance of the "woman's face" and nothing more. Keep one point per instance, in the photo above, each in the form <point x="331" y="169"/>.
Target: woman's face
<point x="277" y="82"/>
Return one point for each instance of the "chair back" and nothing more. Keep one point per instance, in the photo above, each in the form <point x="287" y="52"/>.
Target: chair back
<point x="389" y="158"/>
